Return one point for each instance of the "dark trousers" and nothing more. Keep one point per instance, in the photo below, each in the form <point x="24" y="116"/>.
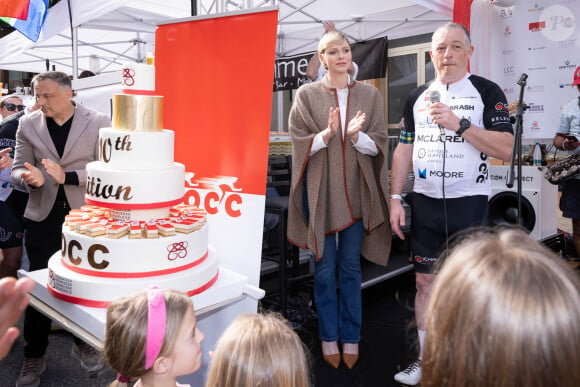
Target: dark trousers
<point x="42" y="240"/>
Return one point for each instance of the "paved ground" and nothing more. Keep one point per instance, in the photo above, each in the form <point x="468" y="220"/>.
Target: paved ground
<point x="62" y="370"/>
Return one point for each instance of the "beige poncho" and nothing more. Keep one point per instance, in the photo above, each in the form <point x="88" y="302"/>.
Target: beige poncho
<point x="343" y="184"/>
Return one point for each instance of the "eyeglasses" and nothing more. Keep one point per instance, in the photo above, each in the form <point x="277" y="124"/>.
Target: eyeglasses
<point x="12" y="106"/>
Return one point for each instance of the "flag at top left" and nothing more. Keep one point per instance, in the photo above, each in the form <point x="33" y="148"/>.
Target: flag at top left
<point x="32" y="24"/>
<point x="17" y="9"/>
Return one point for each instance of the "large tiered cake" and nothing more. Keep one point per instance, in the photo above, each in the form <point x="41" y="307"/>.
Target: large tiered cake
<point x="135" y="231"/>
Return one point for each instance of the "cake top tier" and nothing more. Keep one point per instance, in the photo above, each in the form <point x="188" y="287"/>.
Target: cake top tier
<point x="138" y="108"/>
<point x="139" y="78"/>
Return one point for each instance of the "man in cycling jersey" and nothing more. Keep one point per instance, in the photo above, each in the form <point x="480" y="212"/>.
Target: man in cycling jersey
<point x="451" y="126"/>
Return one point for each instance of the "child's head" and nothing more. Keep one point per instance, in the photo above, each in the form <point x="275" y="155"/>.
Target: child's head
<point x="504" y="311"/>
<point x="152" y="331"/>
<point x="259" y="350"/>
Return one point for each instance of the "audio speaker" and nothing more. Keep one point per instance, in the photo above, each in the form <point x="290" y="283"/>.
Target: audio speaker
<point x="539" y="201"/>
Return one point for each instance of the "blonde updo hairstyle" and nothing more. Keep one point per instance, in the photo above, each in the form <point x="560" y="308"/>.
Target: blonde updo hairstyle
<point x="126" y="331"/>
<point x="259" y="350"/>
<point x="504" y="311"/>
<point x="328" y="39"/>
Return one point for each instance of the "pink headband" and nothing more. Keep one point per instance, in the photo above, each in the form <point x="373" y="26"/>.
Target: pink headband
<point x="155" y="324"/>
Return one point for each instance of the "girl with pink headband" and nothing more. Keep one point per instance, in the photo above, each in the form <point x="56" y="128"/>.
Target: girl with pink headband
<point x="152" y="338"/>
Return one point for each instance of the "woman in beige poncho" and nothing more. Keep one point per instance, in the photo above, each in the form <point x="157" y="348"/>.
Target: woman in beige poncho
<point x="338" y="208"/>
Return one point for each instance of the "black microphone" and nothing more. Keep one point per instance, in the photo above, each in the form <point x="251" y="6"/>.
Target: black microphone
<point x="522" y="80"/>
<point x="436" y="97"/>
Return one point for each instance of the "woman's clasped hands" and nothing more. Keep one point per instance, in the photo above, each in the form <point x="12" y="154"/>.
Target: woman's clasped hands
<point x="352" y="129"/>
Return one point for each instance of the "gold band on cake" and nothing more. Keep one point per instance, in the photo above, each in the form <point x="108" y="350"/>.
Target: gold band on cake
<point x="138" y="113"/>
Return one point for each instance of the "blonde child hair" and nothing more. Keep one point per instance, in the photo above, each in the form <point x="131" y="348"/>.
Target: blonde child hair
<point x="259" y="350"/>
<point x="128" y="345"/>
<point x="504" y="311"/>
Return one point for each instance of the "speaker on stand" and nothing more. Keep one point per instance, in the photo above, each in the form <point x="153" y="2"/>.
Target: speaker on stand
<point x="539" y="201"/>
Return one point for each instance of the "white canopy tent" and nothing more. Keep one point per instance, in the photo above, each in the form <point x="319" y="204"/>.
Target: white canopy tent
<point x="108" y="33"/>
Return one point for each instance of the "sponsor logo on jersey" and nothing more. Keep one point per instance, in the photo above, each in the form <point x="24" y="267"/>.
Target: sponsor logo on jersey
<point x="499" y="120"/>
<point x="425" y="260"/>
<point x="435" y="154"/>
<point x="422" y="173"/>
<point x="501" y="106"/>
<point x="462" y="107"/>
<point x="437" y="138"/>
<point x="465" y="97"/>
<point x="447" y="174"/>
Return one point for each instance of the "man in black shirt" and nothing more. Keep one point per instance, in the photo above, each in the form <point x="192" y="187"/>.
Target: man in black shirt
<point x="53" y="146"/>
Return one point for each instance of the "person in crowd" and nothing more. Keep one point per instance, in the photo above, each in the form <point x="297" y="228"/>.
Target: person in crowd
<point x="13" y="198"/>
<point x="151" y="338"/>
<point x="316" y="72"/>
<point x="86" y="74"/>
<point x="259" y="350"/>
<point x="13" y="301"/>
<point x="567" y="138"/>
<point x="53" y="146"/>
<point x="451" y="127"/>
<point x="504" y="311"/>
<point x="338" y="206"/>
<point x="11" y="230"/>
<point x="10" y="104"/>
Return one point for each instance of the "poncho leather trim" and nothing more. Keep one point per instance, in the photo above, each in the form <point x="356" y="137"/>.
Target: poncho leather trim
<point x="343" y="184"/>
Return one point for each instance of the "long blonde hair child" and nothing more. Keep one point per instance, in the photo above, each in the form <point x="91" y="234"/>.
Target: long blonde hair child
<point x="504" y="311"/>
<point x="259" y="350"/>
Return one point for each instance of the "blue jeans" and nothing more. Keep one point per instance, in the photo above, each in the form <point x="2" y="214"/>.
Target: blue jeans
<point x="340" y="315"/>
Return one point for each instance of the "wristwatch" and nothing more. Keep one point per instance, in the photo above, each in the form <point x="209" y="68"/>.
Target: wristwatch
<point x="464" y="124"/>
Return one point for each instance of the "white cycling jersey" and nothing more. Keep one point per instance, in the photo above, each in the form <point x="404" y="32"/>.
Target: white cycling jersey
<point x="464" y="169"/>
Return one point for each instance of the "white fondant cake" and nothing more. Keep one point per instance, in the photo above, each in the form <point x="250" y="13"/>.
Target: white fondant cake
<point x="135" y="232"/>
<point x="120" y="149"/>
<point x="138" y="78"/>
<point x="134" y="189"/>
<point x="98" y="292"/>
<point x="98" y="255"/>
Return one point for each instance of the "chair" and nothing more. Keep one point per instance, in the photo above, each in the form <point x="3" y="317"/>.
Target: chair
<point x="285" y="254"/>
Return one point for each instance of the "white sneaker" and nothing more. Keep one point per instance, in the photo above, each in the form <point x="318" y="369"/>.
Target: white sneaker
<point x="411" y="375"/>
<point x="32" y="368"/>
<point x="91" y="359"/>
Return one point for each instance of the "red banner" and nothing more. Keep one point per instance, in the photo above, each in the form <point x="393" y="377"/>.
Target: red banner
<point x="216" y="76"/>
<point x="462" y="12"/>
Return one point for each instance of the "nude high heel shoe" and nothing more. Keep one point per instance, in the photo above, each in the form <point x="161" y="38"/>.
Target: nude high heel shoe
<point x="350" y="359"/>
<point x="332" y="358"/>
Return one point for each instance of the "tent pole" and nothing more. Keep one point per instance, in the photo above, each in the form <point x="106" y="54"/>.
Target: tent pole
<point x="75" y="53"/>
